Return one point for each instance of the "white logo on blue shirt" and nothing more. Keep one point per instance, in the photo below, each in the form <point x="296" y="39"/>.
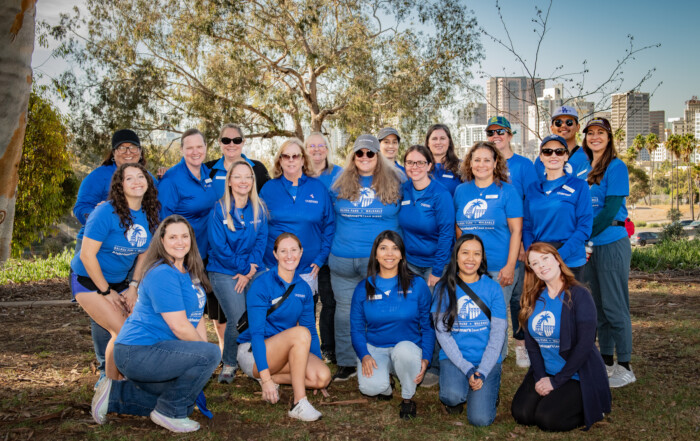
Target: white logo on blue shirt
<point x="137" y="236"/>
<point x="544" y="323"/>
<point x="367" y="195"/>
<point x="467" y="309"/>
<point x="201" y="295"/>
<point x="475" y="208"/>
<point x="568" y="168"/>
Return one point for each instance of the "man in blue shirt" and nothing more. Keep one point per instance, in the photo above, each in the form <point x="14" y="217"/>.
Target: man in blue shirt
<point x="565" y="124"/>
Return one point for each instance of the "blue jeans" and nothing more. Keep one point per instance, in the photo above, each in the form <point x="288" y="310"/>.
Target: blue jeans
<point x="425" y="272"/>
<point x="233" y="305"/>
<point x="100" y="338"/>
<point x="346" y="273"/>
<point x="507" y="293"/>
<point x="481" y="404"/>
<point x="402" y="360"/>
<point x="166" y="376"/>
<point x="518" y="281"/>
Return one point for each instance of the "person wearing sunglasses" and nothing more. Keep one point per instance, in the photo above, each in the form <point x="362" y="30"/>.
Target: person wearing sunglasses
<point x="446" y="169"/>
<point x="558" y="209"/>
<point x="565" y="124"/>
<point x="366" y="199"/>
<point x="607" y="270"/>
<point x="389" y="140"/>
<point x="521" y="172"/>
<point x="301" y="205"/>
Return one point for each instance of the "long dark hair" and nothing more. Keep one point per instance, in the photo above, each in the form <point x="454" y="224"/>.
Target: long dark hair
<point x="150" y="204"/>
<point x="156" y="254"/>
<point x="451" y="160"/>
<point x="447" y="286"/>
<point x="405" y="275"/>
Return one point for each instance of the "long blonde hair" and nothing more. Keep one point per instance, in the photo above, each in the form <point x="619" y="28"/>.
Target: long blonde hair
<point x="255" y="201"/>
<point x="386" y="181"/>
<point x="306" y="166"/>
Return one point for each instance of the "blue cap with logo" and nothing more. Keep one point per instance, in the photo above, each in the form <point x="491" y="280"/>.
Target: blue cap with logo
<point x="501" y="121"/>
<point x="556" y="138"/>
<point x="565" y="111"/>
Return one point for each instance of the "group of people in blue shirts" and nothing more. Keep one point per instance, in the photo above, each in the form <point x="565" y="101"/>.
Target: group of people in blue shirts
<point x="414" y="265"/>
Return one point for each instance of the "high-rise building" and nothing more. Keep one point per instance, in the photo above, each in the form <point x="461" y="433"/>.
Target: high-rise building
<point x="657" y="124"/>
<point x="630" y="111"/>
<point x="692" y="107"/>
<point x="677" y="126"/>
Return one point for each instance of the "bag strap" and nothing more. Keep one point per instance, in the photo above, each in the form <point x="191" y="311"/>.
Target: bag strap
<point x="274" y="307"/>
<point x="475" y="298"/>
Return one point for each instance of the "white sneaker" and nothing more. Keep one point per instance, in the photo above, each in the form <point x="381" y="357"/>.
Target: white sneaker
<point x="304" y="411"/>
<point x="174" y="424"/>
<point x="622" y="377"/>
<point x="610" y="369"/>
<point x="100" y="402"/>
<point x="521" y="358"/>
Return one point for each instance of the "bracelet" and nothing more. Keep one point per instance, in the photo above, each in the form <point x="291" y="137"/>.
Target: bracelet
<point x="104" y="293"/>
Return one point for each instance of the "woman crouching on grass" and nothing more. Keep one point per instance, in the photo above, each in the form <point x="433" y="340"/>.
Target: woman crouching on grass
<point x="281" y="344"/>
<point x="566" y="386"/>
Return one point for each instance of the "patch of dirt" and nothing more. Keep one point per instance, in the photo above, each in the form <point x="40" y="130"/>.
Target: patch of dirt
<point x="50" y="289"/>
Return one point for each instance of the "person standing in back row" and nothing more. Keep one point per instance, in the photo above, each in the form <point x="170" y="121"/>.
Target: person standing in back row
<point x="565" y="124"/>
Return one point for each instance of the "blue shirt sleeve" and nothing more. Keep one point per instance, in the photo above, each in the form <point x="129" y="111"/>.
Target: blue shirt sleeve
<point x="358" y="322"/>
<point x="257" y="304"/>
<point x="166" y="295"/>
<point x="446" y="232"/>
<point x="584" y="223"/>
<point x="617" y="179"/>
<point x="89" y="195"/>
<point x="168" y="196"/>
<point x="98" y="225"/>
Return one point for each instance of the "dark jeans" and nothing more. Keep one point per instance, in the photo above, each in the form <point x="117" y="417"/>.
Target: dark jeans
<point x="559" y="411"/>
<point x="100" y="338"/>
<point x="518" y="281"/>
<point x="326" y="322"/>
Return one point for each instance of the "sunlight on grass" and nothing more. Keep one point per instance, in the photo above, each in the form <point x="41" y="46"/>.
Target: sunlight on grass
<point x="21" y="270"/>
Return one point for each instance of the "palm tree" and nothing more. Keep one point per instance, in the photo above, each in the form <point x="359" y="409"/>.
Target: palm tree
<point x="638" y="144"/>
<point x="673" y="145"/>
<point x="652" y="143"/>
<point x="688" y="144"/>
<point x="17" y="21"/>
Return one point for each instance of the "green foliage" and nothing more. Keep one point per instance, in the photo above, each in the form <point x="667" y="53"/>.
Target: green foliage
<point x="639" y="224"/>
<point x="678" y="254"/>
<point x="673" y="215"/>
<point x="21" y="270"/>
<point x="673" y="231"/>
<point x="654" y="225"/>
<point x="47" y="186"/>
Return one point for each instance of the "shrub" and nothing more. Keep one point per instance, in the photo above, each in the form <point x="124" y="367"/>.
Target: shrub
<point x="680" y="254"/>
<point x="639" y="224"/>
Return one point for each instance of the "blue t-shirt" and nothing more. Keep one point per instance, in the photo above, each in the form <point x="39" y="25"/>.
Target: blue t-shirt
<point x="119" y="249"/>
<point x="357" y="223"/>
<point x="390" y="318"/>
<point x="485" y="212"/>
<point x="615" y="182"/>
<point x="329" y="175"/>
<point x="447" y="178"/>
<point x="163" y="289"/>
<point x="471" y="329"/>
<point x="544" y="325"/>
<point x="93" y="190"/>
<point x="521" y="172"/>
<point x="559" y="211"/>
<point x="577" y="165"/>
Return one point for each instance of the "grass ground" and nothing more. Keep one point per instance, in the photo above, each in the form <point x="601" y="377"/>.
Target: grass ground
<point x="47" y="375"/>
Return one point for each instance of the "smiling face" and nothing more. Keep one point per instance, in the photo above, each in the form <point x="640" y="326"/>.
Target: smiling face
<point x="231" y="151"/>
<point x="291" y="160"/>
<point x="438" y="143"/>
<point x="565" y="130"/>
<point x="317" y="148"/>
<point x="194" y="150"/>
<point x="365" y="165"/>
<point x="597" y="139"/>
<point x="135" y="183"/>
<point x="502" y="142"/>
<point x="483" y="164"/>
<point x="469" y="257"/>
<point x="553" y="162"/>
<point x="126" y="153"/>
<point x="389" y="147"/>
<point x="288" y="254"/>
<point x="388" y="256"/>
<point x="417" y="166"/>
<point x="241" y="180"/>
<point x="545" y="266"/>
<point x="177" y="241"/>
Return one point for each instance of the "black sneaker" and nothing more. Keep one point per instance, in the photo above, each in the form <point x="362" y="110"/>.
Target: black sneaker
<point x="381" y="397"/>
<point x="344" y="373"/>
<point x="407" y="410"/>
<point x="454" y="410"/>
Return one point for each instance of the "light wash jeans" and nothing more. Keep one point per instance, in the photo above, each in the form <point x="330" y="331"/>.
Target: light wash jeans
<point x="507" y="293"/>
<point x="346" y="273"/>
<point x="166" y="376"/>
<point x="402" y="360"/>
<point x="481" y="404"/>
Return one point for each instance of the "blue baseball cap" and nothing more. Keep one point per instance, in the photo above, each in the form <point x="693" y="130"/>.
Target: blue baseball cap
<point x="556" y="138"/>
<point x="501" y="121"/>
<point x="565" y="111"/>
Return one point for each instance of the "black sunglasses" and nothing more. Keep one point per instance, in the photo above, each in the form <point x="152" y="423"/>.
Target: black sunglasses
<point x="237" y="140"/>
<point x="568" y="122"/>
<point x="360" y="153"/>
<point x="499" y="131"/>
<point x="558" y="152"/>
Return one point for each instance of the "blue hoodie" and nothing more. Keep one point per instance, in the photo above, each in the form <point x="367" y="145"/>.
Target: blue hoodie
<point x="447" y="178"/>
<point x="305" y="210"/>
<point x="181" y="193"/>
<point x="577" y="165"/>
<point x="427" y="218"/>
<point x="559" y="211"/>
<point x="390" y="318"/>
<point x="232" y="252"/>
<point x="298" y="308"/>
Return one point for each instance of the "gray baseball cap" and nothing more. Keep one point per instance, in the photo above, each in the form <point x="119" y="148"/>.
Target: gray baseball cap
<point x="386" y="131"/>
<point x="368" y="142"/>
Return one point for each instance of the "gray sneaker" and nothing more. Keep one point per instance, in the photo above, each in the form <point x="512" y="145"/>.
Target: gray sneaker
<point x="430" y="380"/>
<point x="522" y="359"/>
<point x="100" y="402"/>
<point x="304" y="411"/>
<point x="622" y="377"/>
<point x="610" y="370"/>
<point x="174" y="424"/>
<point x="227" y="374"/>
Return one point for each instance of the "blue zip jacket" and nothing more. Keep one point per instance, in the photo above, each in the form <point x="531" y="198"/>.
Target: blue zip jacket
<point x="447" y="178"/>
<point x="358" y="222"/>
<point x="521" y="172"/>
<point x="427" y="218"/>
<point x="298" y="308"/>
<point x="577" y="165"/>
<point x="390" y="318"/>
<point x="329" y="175"/>
<point x="179" y="192"/>
<point x="232" y="252"/>
<point x="559" y="211"/>
<point x="309" y="215"/>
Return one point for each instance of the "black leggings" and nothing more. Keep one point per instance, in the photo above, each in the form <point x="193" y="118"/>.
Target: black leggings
<point x="559" y="411"/>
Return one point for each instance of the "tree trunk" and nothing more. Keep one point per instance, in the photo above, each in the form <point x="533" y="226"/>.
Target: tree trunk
<point x="690" y="191"/>
<point x="651" y="181"/>
<point x="16" y="46"/>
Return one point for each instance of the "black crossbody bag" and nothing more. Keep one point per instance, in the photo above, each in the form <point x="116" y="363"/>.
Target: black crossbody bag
<point x="475" y="298"/>
<point x="243" y="321"/>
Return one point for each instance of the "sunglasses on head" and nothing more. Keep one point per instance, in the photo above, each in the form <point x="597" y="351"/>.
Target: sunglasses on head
<point x="497" y="131"/>
<point x="558" y="152"/>
<point x="293" y="157"/>
<point x="237" y="140"/>
<point x="560" y="122"/>
<point x="361" y="153"/>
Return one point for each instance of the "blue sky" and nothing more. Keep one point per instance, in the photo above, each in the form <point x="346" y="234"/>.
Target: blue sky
<point x="594" y="30"/>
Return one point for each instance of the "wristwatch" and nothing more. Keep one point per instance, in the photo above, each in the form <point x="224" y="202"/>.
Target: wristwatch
<point x="134" y="283"/>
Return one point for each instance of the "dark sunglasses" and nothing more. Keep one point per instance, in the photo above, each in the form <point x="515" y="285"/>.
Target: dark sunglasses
<point x="360" y="154"/>
<point x="558" y="152"/>
<point x="237" y="140"/>
<point x="498" y="131"/>
<point x="568" y="122"/>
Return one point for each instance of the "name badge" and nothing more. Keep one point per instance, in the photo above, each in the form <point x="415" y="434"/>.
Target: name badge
<point x="406" y="202"/>
<point x="569" y="189"/>
<point x="208" y="180"/>
<point x="220" y="177"/>
<point x="448" y="176"/>
<point x="491" y="196"/>
<point x="376" y="297"/>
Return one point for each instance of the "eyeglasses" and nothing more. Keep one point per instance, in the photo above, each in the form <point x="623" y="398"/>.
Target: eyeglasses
<point x="242" y="178"/>
<point x="419" y="164"/>
<point x="560" y="122"/>
<point x="497" y="131"/>
<point x="558" y="152"/>
<point x="293" y="157"/>
<point x="237" y="140"/>
<point x="361" y="154"/>
<point x="131" y="149"/>
<point x="317" y="146"/>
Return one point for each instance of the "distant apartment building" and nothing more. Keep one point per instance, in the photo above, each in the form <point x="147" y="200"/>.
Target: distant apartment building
<point x="677" y="126"/>
<point x="468" y="135"/>
<point x="692" y="108"/>
<point x="657" y="124"/>
<point x="630" y="111"/>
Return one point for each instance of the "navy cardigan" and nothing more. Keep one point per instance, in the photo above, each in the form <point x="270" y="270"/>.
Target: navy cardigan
<point x="577" y="347"/>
